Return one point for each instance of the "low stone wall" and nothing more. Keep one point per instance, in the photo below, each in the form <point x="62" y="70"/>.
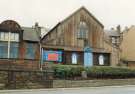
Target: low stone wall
<point x="91" y="83"/>
<point x="25" y="79"/>
<point x="70" y="83"/>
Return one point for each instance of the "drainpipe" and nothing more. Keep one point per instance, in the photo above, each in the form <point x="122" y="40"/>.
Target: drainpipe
<point x="41" y="57"/>
<point x="9" y="45"/>
<point x="38" y="31"/>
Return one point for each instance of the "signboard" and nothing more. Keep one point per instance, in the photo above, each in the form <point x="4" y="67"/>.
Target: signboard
<point x="52" y="56"/>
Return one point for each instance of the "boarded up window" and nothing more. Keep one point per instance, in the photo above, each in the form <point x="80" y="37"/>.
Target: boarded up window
<point x="30" y="51"/>
<point x="14" y="49"/>
<point x="3" y="50"/>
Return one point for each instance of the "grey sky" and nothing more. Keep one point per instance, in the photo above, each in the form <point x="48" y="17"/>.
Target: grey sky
<point x="49" y="12"/>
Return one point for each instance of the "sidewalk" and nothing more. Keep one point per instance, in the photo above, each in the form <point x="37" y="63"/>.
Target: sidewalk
<point x="80" y="90"/>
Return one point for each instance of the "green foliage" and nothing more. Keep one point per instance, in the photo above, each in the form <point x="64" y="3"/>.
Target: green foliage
<point x="72" y="71"/>
<point x="110" y="72"/>
<point x="67" y="71"/>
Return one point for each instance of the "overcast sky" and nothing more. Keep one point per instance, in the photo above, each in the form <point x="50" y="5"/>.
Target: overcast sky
<point x="49" y="12"/>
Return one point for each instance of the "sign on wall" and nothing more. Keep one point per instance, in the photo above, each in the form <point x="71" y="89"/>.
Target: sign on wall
<point x="52" y="56"/>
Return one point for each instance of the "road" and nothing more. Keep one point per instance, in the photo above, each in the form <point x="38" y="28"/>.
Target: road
<point x="86" y="90"/>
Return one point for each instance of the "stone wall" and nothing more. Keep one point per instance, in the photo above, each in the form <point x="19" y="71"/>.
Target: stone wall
<point x="114" y="53"/>
<point x="22" y="79"/>
<point x="92" y="83"/>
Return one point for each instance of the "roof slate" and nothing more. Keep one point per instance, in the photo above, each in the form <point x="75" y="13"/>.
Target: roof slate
<point x="30" y="34"/>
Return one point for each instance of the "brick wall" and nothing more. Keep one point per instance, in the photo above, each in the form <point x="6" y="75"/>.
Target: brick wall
<point x="19" y="64"/>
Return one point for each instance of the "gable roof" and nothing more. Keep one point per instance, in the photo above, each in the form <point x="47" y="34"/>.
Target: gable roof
<point x="50" y="30"/>
<point x="82" y="8"/>
<point x="30" y="34"/>
<point x="10" y="25"/>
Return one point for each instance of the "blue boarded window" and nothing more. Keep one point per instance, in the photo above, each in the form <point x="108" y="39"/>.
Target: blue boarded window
<point x="30" y="51"/>
<point x="3" y="49"/>
<point x="14" y="49"/>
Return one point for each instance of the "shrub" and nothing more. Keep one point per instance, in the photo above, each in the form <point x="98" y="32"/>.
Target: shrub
<point x="67" y="71"/>
<point x="110" y="72"/>
<point x="72" y="71"/>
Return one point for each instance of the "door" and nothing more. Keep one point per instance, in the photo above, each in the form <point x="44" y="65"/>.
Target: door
<point x="88" y="57"/>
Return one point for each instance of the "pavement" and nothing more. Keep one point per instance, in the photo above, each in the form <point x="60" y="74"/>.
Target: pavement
<point x="82" y="90"/>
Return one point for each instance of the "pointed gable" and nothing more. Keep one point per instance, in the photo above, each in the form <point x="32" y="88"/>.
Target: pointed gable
<point x="86" y="11"/>
<point x="69" y="27"/>
<point x="73" y="14"/>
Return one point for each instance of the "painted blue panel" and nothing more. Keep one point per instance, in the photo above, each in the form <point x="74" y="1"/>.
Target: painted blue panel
<point x="88" y="57"/>
<point x="46" y="54"/>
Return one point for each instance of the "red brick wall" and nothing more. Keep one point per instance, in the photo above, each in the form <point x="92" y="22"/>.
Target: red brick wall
<point x="19" y="64"/>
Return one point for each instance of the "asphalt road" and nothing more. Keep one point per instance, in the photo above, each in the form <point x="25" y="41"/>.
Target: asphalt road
<point x="87" y="90"/>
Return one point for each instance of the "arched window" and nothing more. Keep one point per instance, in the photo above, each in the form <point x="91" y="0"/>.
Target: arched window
<point x="82" y="31"/>
<point x="9" y="39"/>
<point x="74" y="58"/>
<point x="101" y="59"/>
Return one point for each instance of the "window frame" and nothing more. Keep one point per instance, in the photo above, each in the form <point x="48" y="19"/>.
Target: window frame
<point x="82" y="32"/>
<point x="4" y="48"/>
<point x="74" y="58"/>
<point x="16" y="46"/>
<point x="6" y="37"/>
<point x="15" y="37"/>
<point x="101" y="59"/>
<point x="29" y="47"/>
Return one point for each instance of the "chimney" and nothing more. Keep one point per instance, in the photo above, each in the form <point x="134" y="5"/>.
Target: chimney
<point x="118" y="29"/>
<point x="126" y="29"/>
<point x="112" y="28"/>
<point x="38" y="29"/>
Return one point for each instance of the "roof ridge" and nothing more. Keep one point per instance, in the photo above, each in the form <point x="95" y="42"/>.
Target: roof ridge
<point x="84" y="8"/>
<point x="71" y="16"/>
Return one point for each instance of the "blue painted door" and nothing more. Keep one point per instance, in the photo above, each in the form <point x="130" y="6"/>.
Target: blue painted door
<point x="88" y="57"/>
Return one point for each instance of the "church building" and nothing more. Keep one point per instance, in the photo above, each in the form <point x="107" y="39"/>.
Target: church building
<point x="78" y="40"/>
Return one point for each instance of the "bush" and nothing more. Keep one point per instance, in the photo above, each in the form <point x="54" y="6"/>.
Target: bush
<point x="110" y="72"/>
<point x="67" y="71"/>
<point x="72" y="71"/>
